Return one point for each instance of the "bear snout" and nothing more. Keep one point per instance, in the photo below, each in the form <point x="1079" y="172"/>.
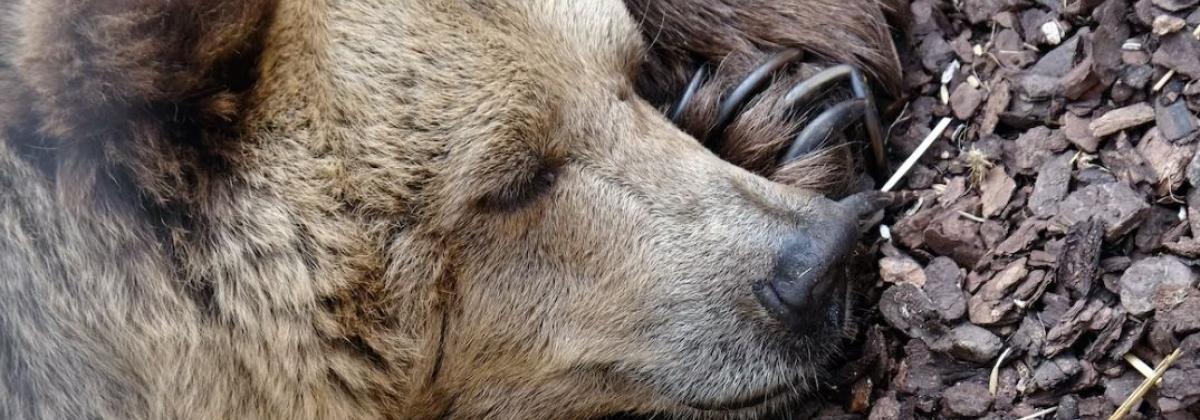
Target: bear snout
<point x="803" y="289"/>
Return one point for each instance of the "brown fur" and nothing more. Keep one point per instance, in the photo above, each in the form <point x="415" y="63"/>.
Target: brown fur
<point x="734" y="37"/>
<point x="360" y="210"/>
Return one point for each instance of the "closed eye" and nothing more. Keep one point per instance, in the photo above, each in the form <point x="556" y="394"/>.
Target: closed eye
<point x="522" y="189"/>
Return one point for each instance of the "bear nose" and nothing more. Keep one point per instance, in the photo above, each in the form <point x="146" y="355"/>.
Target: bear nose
<point x="801" y="291"/>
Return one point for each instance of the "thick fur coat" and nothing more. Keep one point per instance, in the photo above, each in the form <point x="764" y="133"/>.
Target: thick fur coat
<point x="364" y="209"/>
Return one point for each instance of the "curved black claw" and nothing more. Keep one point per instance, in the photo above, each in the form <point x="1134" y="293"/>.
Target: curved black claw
<point x="751" y="85"/>
<point x="835" y="119"/>
<point x="809" y="89"/>
<point x="694" y="85"/>
<point x="865" y="203"/>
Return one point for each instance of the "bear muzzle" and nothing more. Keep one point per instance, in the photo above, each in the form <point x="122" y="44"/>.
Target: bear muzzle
<point x="805" y="289"/>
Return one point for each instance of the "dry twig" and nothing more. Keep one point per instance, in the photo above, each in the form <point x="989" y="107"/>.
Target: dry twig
<point x="1142" y="389"/>
<point x="994" y="380"/>
<point x="1039" y="414"/>
<point x="912" y="159"/>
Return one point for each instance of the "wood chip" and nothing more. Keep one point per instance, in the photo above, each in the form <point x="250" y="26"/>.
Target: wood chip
<point x="1122" y="118"/>
<point x="997" y="189"/>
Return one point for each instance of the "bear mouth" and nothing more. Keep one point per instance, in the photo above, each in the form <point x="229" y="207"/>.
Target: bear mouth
<point x="840" y="322"/>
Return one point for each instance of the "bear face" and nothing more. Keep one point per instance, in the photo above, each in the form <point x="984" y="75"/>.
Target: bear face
<point x="417" y="209"/>
<point x="595" y="249"/>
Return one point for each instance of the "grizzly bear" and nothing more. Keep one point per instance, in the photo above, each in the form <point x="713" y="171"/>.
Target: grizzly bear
<point x="414" y="209"/>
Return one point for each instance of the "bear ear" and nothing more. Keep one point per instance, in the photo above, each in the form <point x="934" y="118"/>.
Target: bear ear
<point x="100" y="67"/>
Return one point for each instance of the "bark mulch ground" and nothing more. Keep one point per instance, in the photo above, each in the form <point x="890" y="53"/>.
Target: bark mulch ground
<point x="1046" y="261"/>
